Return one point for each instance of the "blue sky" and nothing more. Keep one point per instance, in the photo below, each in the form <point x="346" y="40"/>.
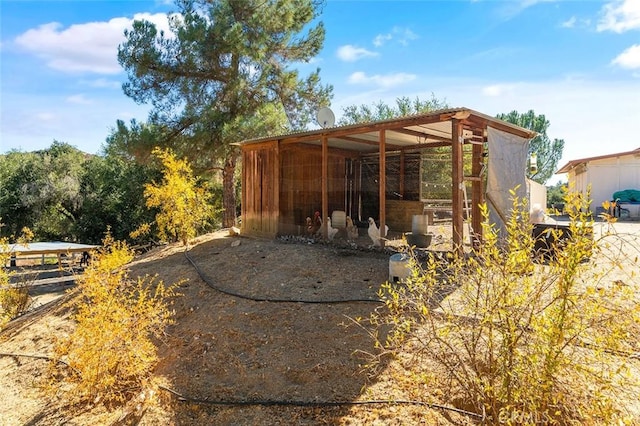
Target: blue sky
<point x="576" y="62"/>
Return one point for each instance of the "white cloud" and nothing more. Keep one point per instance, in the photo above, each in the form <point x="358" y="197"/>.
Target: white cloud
<point x="404" y="35"/>
<point x="528" y="3"/>
<point x="350" y="53"/>
<point x="383" y="81"/>
<point x="400" y="34"/>
<point x="498" y="90"/>
<point x="103" y="83"/>
<point x="630" y="58"/>
<point x="620" y="16"/>
<point x="574" y="22"/>
<point x="79" y="99"/>
<point x="45" y="116"/>
<point x="90" y="47"/>
<point x="510" y="9"/>
<point x="380" y="39"/>
<point x="569" y="23"/>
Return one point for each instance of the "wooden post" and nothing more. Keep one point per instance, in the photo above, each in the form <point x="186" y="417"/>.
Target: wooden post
<point x="325" y="185"/>
<point x="401" y="188"/>
<point x="457" y="182"/>
<point x="274" y="188"/>
<point x="477" y="193"/>
<point x="382" y="183"/>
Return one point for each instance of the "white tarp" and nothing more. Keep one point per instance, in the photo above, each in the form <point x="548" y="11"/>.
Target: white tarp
<point x="506" y="170"/>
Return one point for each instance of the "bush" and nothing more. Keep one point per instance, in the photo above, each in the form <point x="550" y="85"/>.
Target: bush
<point x="183" y="205"/>
<point x="521" y="342"/>
<point x="14" y="299"/>
<point x="111" y="349"/>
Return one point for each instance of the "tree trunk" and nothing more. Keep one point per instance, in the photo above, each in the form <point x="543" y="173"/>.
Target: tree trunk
<point x="228" y="193"/>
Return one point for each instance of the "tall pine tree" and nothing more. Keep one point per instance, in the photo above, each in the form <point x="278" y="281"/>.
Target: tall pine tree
<point x="226" y="72"/>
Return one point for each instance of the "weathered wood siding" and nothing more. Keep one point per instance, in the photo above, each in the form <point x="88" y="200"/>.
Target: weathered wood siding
<point x="301" y="185"/>
<point x="281" y="186"/>
<point x="260" y="177"/>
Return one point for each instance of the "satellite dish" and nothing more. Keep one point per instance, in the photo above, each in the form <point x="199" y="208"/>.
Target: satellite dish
<point x="325" y="117"/>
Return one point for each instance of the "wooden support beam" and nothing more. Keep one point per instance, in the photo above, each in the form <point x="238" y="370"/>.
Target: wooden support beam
<point x="325" y="185"/>
<point x="274" y="190"/>
<point x="401" y="186"/>
<point x="383" y="182"/>
<point x="243" y="194"/>
<point x="457" y="182"/>
<point x="477" y="193"/>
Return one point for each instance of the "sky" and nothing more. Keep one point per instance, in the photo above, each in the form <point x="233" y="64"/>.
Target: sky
<point x="577" y="62"/>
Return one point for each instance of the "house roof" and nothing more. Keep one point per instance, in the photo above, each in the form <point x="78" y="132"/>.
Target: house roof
<point x="575" y="163"/>
<point x="415" y="131"/>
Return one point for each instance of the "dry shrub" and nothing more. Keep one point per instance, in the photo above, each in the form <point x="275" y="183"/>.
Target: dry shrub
<point x="14" y="299"/>
<point x="522" y="340"/>
<point x="111" y="349"/>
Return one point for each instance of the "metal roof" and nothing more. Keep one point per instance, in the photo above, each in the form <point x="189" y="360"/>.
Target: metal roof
<point x="48" y="247"/>
<point x="575" y="163"/>
<point x="415" y="131"/>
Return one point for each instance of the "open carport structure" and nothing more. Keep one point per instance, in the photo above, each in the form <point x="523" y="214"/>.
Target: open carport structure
<point x="50" y="248"/>
<point x="381" y="169"/>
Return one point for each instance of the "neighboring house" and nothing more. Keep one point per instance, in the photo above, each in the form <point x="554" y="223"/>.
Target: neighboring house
<point x="605" y="175"/>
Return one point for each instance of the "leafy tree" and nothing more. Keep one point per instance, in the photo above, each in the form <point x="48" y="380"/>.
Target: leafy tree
<point x="548" y="152"/>
<point x="183" y="205"/>
<point x="225" y="63"/>
<point x="41" y="190"/>
<point x="18" y="172"/>
<point x="112" y="190"/>
<point x="62" y="193"/>
<point x="380" y="111"/>
<point x="555" y="194"/>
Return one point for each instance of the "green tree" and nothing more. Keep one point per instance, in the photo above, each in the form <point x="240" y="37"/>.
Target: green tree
<point x="62" y="193"/>
<point x="112" y="191"/>
<point x="18" y="171"/>
<point x="556" y="194"/>
<point x="182" y="203"/>
<point x="224" y="64"/>
<point x="41" y="190"/>
<point x="354" y="114"/>
<point x="548" y="152"/>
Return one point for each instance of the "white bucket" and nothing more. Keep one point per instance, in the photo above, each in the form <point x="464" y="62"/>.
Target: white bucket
<point x="399" y="269"/>
<point x="419" y="224"/>
<point x="338" y="219"/>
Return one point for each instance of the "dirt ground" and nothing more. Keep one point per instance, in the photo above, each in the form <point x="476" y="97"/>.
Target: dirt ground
<point x="265" y="328"/>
